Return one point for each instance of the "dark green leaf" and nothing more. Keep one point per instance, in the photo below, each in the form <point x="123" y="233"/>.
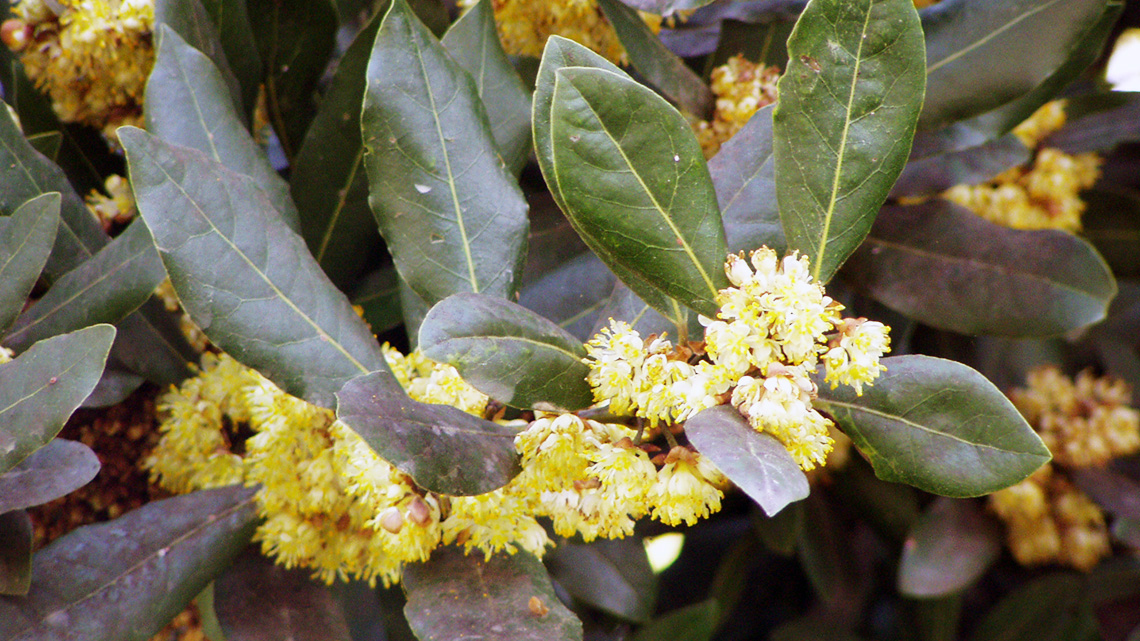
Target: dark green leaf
<point x="661" y="67"/>
<point x="151" y="343"/>
<point x="125" y="579"/>
<point x="456" y="596"/>
<point x="294" y="41"/>
<point x="452" y="214"/>
<point x="47" y="143"/>
<point x="695" y="622"/>
<point x="259" y="600"/>
<point x="444" y="449"/>
<point x="244" y="277"/>
<point x="827" y="553"/>
<point x="328" y="181"/>
<point x="1116" y="493"/>
<point x="637" y="190"/>
<point x="624" y="305"/>
<point x="508" y="352"/>
<point x="187" y="104"/>
<point x="665" y="7"/>
<point x="572" y="295"/>
<point x="757" y="463"/>
<point x="189" y="19"/>
<point x="1046" y="609"/>
<point x="433" y="13"/>
<point x="938" y="619"/>
<point x="474" y="43"/>
<point x="849" y="101"/>
<point x="114" y="386"/>
<point x="558" y="54"/>
<point x="56" y="469"/>
<point x="949" y="268"/>
<point x="766" y="42"/>
<point x="935" y="174"/>
<point x="1098" y="122"/>
<point x="780" y="533"/>
<point x="1112" y="224"/>
<point x="890" y="508"/>
<point x="939" y="426"/>
<point x="16" y="535"/>
<point x="26" y="239"/>
<point x="744" y="174"/>
<point x="104" y="289"/>
<point x="379" y="297"/>
<point x="231" y="19"/>
<point x="413" y="309"/>
<point x="947" y="549"/>
<point x="40" y="389"/>
<point x="611" y="575"/>
<point x="812" y="627"/>
<point x="983" y="55"/>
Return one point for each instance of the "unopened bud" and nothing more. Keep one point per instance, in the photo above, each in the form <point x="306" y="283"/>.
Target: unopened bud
<point x="391" y="520"/>
<point x="419" y="512"/>
<point x="16" y="34"/>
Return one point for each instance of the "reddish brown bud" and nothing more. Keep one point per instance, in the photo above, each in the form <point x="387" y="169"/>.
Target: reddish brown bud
<point x="16" y="34"/>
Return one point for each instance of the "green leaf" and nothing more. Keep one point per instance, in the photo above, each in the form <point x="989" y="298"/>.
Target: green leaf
<point x="189" y="19"/>
<point x="328" y="181"/>
<point x="259" y="600"/>
<point x="413" y="308"/>
<point x="40" y="389"/>
<point x="765" y="42"/>
<point x="104" y="289"/>
<point x="637" y="190"/>
<point x="244" y="277"/>
<point x="947" y="549"/>
<point x="939" y="426"/>
<point x="695" y="622"/>
<point x="849" y="101"/>
<point x="474" y="43"/>
<point x="661" y="67"/>
<point x="625" y="305"/>
<point x="890" y="508"/>
<point x="456" y="596"/>
<point x="16" y="537"/>
<point x="451" y="213"/>
<point x="1097" y="122"/>
<point x="611" y="575"/>
<point x="54" y="470"/>
<point x="188" y="104"/>
<point x="114" y="386"/>
<point x="26" y="239"/>
<point x="982" y="56"/>
<point x="744" y="175"/>
<point x="294" y="41"/>
<point x="1045" y="609"/>
<point x="757" y="463"/>
<point x="125" y="579"/>
<point x="827" y="553"/>
<point x="665" y="7"/>
<point x="379" y="298"/>
<point x="571" y="295"/>
<point x="780" y="533"/>
<point x="508" y="352"/>
<point x="949" y="268"/>
<point x="151" y="343"/>
<point x="231" y="19"/>
<point x="48" y="143"/>
<point x="935" y="174"/>
<point x="558" y="54"/>
<point x="444" y="449"/>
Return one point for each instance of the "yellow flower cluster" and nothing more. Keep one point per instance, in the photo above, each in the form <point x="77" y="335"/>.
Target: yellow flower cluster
<point x="1084" y="423"/>
<point x="91" y="56"/>
<point x="741" y="87"/>
<point x="525" y="25"/>
<point x="1050" y="521"/>
<point x="117" y="206"/>
<point x="1044" y="195"/>
<point x="773" y="327"/>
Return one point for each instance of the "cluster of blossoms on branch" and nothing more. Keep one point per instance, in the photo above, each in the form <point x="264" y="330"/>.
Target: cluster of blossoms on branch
<point x="742" y="88"/>
<point x="332" y="505"/>
<point x="1085" y="423"/>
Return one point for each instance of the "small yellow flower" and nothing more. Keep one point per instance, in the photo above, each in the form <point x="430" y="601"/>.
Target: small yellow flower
<point x="741" y="88"/>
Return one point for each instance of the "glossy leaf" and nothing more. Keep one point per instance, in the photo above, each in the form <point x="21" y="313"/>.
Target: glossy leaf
<point x="188" y="104"/>
<point x="572" y="295"/>
<point x="757" y="463"/>
<point x="56" y="469"/>
<point x="661" y="67"/>
<point x="452" y="214"/>
<point x="328" y="181"/>
<point x="26" y="239"/>
<point x="611" y="575"/>
<point x="949" y="268"/>
<point x="849" y="101"/>
<point x="939" y="426"/>
<point x="983" y="55"/>
<point x="125" y="579"/>
<point x="444" y="449"/>
<point x="936" y="174"/>
<point x="508" y="352"/>
<point x="560" y="53"/>
<point x="456" y="596"/>
<point x="40" y="388"/>
<point x="695" y="622"/>
<point x="1049" y="608"/>
<point x="744" y="175"/>
<point x="947" y="549"/>
<point x="104" y="289"/>
<point x="244" y="277"/>
<point x="637" y="190"/>
<point x="473" y="42"/>
<point x="189" y="19"/>
<point x="16" y="537"/>
<point x="259" y="600"/>
<point x="294" y="41"/>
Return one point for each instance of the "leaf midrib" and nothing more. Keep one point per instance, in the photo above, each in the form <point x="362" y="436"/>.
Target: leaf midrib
<point x="990" y="36"/>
